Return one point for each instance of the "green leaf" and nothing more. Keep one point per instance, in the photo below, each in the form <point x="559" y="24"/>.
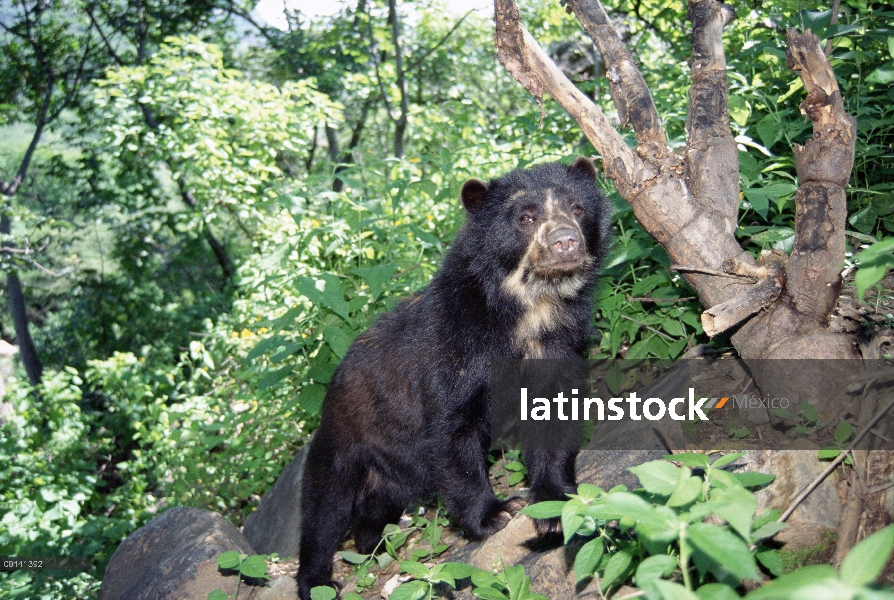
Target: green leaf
<point x="618" y="568"/>
<point x="750" y="479"/>
<point x="867" y="277"/>
<point x="255" y="566"/>
<point x="782" y="413"/>
<point x="843" y="432"/>
<point x="828" y="453"/>
<point x="544" y="510"/>
<point x="657" y="477"/>
<point x="338" y="340"/>
<point x="882" y="75"/>
<point x="353" y="558"/>
<point x="772" y="560"/>
<point x="271" y="378"/>
<point x="322" y="372"/>
<point x="489" y="593"/>
<point x="265" y="346"/>
<point x="587" y="558"/>
<point x="773" y="235"/>
<point x="737" y="507"/>
<point x="654" y="568"/>
<point x="412" y="590"/>
<point x="728" y="552"/>
<point x="217" y="595"/>
<point x="311" y="398"/>
<point x="588" y="492"/>
<point x="229" y="560"/>
<point x="767" y="530"/>
<point x="793" y="585"/>
<point x="516" y="478"/>
<point x="457" y="570"/>
<point x="673" y="591"/>
<point x="808" y="411"/>
<point x="690" y="459"/>
<point x="687" y="491"/>
<point x="769" y="130"/>
<point x="377" y="278"/>
<point x="727" y="459"/>
<point x="322" y="592"/>
<point x="739" y="110"/>
<point x="330" y="297"/>
<point x="484" y="579"/>
<point x="716" y="591"/>
<point x="385" y="559"/>
<point x="866" y="561"/>
<point x="571" y="518"/>
<point x="417" y="570"/>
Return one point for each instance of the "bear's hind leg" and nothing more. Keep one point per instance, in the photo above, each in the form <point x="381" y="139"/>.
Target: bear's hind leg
<point x="326" y="502"/>
<point x="378" y="503"/>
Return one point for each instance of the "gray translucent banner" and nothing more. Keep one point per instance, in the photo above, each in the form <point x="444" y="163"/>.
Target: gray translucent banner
<point x="696" y="404"/>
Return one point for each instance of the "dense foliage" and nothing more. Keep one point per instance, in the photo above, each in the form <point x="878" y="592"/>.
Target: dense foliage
<point x="212" y="212"/>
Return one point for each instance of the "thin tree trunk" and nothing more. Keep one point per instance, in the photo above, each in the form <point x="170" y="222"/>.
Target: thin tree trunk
<point x="400" y="125"/>
<point x="223" y="259"/>
<point x="27" y="351"/>
<point x="335" y="156"/>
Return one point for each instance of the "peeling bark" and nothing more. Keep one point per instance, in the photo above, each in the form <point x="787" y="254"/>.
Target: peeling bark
<point x="711" y="152"/>
<point x="824" y="165"/>
<point x="628" y="88"/>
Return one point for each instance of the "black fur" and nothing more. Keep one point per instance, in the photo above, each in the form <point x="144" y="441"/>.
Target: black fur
<point x="406" y="413"/>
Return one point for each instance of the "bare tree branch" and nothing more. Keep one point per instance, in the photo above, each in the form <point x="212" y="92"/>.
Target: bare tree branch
<point x="824" y="164"/>
<point x="105" y="39"/>
<point x="628" y="88"/>
<point x="235" y="10"/>
<point x="421" y="60"/>
<point x="711" y="152"/>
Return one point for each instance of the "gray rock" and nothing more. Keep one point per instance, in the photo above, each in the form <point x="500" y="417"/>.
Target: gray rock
<point x="173" y="557"/>
<point x="275" y="525"/>
<point x="795" y="468"/>
<point x="608" y="468"/>
<point x="549" y="569"/>
<point x="281" y="588"/>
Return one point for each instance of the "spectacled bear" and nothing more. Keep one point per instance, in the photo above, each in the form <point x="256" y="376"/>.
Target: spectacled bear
<point x="406" y="413"/>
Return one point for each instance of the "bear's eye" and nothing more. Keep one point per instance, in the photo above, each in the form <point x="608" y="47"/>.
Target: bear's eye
<point x="527" y="220"/>
<point x="577" y="210"/>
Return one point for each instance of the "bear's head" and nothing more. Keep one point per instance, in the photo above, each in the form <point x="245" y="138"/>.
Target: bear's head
<point x="544" y="229"/>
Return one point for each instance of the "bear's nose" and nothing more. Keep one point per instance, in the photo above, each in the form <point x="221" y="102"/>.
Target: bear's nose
<point x="563" y="241"/>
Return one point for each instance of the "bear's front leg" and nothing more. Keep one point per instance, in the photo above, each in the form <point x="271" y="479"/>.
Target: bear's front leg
<point x="551" y="474"/>
<point x="464" y="483"/>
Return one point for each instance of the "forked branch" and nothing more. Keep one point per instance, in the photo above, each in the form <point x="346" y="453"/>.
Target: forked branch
<point x="529" y="65"/>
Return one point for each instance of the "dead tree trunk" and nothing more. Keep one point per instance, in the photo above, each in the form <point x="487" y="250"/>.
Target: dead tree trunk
<point x="689" y="201"/>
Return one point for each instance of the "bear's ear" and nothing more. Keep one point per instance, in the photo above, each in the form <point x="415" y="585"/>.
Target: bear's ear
<point x="584" y="166"/>
<point x="473" y="193"/>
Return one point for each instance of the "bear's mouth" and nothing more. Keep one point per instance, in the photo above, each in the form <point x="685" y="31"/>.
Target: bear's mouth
<point x="559" y="267"/>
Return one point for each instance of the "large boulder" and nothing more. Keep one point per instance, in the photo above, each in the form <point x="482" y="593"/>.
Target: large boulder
<point x="173" y="557"/>
<point x="275" y="525"/>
